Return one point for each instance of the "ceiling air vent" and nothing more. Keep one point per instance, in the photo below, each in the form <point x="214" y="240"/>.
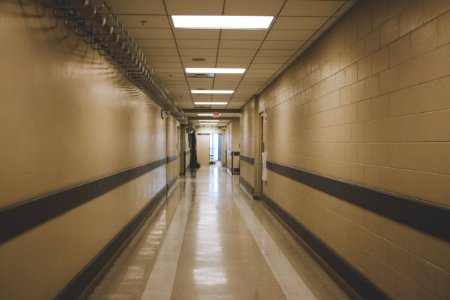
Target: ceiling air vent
<point x="200" y="75"/>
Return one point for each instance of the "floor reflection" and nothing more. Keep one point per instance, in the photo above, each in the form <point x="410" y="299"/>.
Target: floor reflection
<point x="219" y="257"/>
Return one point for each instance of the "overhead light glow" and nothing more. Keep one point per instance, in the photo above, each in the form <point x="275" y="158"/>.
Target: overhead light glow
<point x="215" y="70"/>
<point x="207" y="115"/>
<point x="212" y="91"/>
<point x="222" y="22"/>
<point x="210" y="103"/>
<point x="209" y="121"/>
<point x="209" y="124"/>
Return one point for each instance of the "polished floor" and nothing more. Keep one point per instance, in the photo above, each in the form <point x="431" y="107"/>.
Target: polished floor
<point x="210" y="240"/>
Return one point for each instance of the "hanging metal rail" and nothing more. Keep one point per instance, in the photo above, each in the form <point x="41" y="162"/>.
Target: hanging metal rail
<point x="94" y="22"/>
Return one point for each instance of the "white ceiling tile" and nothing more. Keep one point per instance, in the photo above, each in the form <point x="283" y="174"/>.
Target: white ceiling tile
<point x="194" y="7"/>
<point x="249" y="35"/>
<point x="234" y="59"/>
<point x="282" y="44"/>
<point x="197" y="52"/>
<point x="257" y="73"/>
<point x="312" y="8"/>
<point x="232" y="65"/>
<point x="150" y="33"/>
<point x="195" y="81"/>
<point x="211" y="44"/>
<point x="266" y="66"/>
<point x="228" y="77"/>
<point x="191" y="34"/>
<point x="221" y="97"/>
<point x="167" y="66"/>
<point x="135" y="21"/>
<point x="209" y="62"/>
<point x="276" y="52"/>
<point x="155" y="43"/>
<point x="237" y="52"/>
<point x="162" y="59"/>
<point x="299" y="23"/>
<point x="239" y="44"/>
<point x="155" y="7"/>
<point x="225" y="85"/>
<point x="160" y="52"/>
<point x="253" y="7"/>
<point x="289" y="35"/>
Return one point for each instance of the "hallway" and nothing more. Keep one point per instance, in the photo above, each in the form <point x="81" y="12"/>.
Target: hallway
<point x="211" y="241"/>
<point x="330" y="118"/>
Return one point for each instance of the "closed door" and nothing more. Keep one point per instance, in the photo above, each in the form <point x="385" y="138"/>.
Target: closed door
<point x="203" y="149"/>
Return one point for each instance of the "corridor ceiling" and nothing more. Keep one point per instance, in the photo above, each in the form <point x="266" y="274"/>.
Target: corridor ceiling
<point x="264" y="53"/>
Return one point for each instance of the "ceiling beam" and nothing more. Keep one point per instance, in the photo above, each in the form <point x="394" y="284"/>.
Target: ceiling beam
<point x="212" y="110"/>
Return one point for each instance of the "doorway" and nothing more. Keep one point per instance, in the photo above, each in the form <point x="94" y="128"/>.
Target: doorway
<point x="215" y="147"/>
<point x="262" y="149"/>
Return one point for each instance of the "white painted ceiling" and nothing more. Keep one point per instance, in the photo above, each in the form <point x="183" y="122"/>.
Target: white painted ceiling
<point x="264" y="53"/>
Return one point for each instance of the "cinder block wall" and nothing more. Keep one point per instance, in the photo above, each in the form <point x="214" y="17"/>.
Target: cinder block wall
<point x="67" y="117"/>
<point x="369" y="103"/>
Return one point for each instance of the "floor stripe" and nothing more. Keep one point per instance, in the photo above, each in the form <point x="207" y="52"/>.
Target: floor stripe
<point x="160" y="284"/>
<point x="288" y="279"/>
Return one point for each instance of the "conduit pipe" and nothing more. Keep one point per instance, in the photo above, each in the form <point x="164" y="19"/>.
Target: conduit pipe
<point x="94" y="22"/>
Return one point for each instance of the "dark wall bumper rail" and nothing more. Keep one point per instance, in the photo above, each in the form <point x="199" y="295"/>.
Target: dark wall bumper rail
<point x="342" y="269"/>
<point x="18" y="218"/>
<point x="247" y="159"/>
<point x="427" y="217"/>
<point x="172" y="158"/>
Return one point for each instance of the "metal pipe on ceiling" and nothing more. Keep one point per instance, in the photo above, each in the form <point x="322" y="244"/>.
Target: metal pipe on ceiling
<point x="95" y="23"/>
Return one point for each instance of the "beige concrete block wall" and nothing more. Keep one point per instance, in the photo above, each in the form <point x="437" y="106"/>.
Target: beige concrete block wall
<point x="67" y="117"/>
<point x="369" y="103"/>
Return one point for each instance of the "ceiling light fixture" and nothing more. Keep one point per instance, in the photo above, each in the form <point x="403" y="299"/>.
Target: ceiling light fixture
<point x="209" y="121"/>
<point x="215" y="70"/>
<point x="208" y="115"/>
<point x="222" y="22"/>
<point x="212" y="91"/>
<point x="210" y="103"/>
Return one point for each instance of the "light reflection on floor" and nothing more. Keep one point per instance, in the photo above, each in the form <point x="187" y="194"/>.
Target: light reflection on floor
<point x="219" y="258"/>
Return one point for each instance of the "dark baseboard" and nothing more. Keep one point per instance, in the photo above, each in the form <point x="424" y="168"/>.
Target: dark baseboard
<point x="84" y="282"/>
<point x="246" y="185"/>
<point x="171" y="183"/>
<point x="355" y="283"/>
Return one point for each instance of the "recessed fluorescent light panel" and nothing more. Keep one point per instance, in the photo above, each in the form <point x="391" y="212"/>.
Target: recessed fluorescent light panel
<point x="222" y="22"/>
<point x="210" y="103"/>
<point x="205" y="115"/>
<point x="208" y="121"/>
<point x="215" y="70"/>
<point x="212" y="91"/>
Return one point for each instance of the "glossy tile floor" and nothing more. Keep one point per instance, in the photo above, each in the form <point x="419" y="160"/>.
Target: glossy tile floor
<point x="210" y="240"/>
